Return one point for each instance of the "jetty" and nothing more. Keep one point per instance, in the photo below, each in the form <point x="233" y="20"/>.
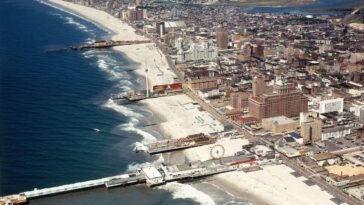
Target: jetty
<point x="98" y="45"/>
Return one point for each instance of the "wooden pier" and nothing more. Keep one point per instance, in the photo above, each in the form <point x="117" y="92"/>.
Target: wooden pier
<point x="149" y="175"/>
<point x="99" y="45"/>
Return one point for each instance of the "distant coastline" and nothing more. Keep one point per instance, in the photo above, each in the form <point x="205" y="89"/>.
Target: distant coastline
<point x="339" y="8"/>
<point x="181" y="117"/>
<point x="270" y="3"/>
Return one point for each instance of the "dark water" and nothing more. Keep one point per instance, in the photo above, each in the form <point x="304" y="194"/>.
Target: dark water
<point x="52" y="104"/>
<point x="306" y="9"/>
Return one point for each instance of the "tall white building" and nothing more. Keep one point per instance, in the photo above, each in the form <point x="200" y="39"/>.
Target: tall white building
<point x="204" y="50"/>
<point x="334" y="105"/>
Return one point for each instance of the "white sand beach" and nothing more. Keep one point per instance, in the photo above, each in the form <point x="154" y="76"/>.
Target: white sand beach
<point x="147" y="55"/>
<point x="184" y="117"/>
<point x="273" y="185"/>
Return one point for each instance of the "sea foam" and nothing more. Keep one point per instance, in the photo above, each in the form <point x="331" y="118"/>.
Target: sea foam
<point x="74" y="14"/>
<point x="134" y="166"/>
<point x="115" y="72"/>
<point x="185" y="191"/>
<point x="147" y="137"/>
<point x="134" y="120"/>
<point x="123" y="110"/>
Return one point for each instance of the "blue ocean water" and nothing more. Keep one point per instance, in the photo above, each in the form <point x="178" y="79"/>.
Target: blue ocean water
<point x="52" y="104"/>
<point x="57" y="123"/>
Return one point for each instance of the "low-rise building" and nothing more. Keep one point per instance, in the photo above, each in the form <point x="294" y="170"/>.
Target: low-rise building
<point x="325" y="159"/>
<point x="335" y="132"/>
<point x="202" y="83"/>
<point x="280" y="124"/>
<point x="288" y="151"/>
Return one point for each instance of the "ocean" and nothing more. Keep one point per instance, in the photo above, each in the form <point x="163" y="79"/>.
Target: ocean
<point x="57" y="122"/>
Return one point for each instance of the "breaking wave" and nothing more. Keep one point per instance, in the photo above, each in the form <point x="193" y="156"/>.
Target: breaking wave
<point x="134" y="120"/>
<point x="147" y="138"/>
<point x="134" y="166"/>
<point x="123" y="110"/>
<point x="74" y="14"/>
<point x="71" y="21"/>
<point x="184" y="191"/>
<point x="116" y="72"/>
<point x="111" y="69"/>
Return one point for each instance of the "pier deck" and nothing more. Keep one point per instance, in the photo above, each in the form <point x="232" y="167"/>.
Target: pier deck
<point x="99" y="44"/>
<point x="179" y="144"/>
<point x="150" y="175"/>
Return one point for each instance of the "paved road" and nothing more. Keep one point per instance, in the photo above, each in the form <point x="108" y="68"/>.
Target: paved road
<point x="292" y="163"/>
<point x="321" y="182"/>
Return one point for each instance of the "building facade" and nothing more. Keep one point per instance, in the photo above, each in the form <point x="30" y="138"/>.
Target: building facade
<point x="333" y="105"/>
<point x="280" y="124"/>
<point x="259" y="86"/>
<point x="286" y="101"/>
<point x="311" y="128"/>
<point x="201" y="83"/>
<point x="222" y="38"/>
<point x="138" y="2"/>
<point x="240" y="101"/>
<point x="335" y="132"/>
<point x="197" y="51"/>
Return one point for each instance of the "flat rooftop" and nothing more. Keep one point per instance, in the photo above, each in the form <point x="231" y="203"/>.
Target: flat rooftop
<point x="346" y="170"/>
<point x="151" y="172"/>
<point x="279" y="120"/>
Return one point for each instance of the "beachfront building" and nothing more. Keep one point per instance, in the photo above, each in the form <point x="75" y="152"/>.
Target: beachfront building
<point x="204" y="50"/>
<point x="311" y="127"/>
<point x="285" y="100"/>
<point x="280" y="124"/>
<point x="203" y="83"/>
<point x="164" y="27"/>
<point x="133" y="14"/>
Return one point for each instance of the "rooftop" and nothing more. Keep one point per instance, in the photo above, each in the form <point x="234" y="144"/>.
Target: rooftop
<point x="279" y="120"/>
<point x="324" y="156"/>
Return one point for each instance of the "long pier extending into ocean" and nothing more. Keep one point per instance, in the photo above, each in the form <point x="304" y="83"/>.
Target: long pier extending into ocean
<point x="155" y="175"/>
<point x="149" y="175"/>
<point x="98" y="44"/>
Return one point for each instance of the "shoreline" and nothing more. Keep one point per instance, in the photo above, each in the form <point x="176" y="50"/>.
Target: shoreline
<point x="61" y="7"/>
<point x="162" y="118"/>
<point x="234" y="191"/>
<point x="152" y="57"/>
<point x="267" y="3"/>
<point x="181" y="117"/>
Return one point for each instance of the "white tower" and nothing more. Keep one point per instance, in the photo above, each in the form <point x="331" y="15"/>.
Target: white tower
<point x="146" y="81"/>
